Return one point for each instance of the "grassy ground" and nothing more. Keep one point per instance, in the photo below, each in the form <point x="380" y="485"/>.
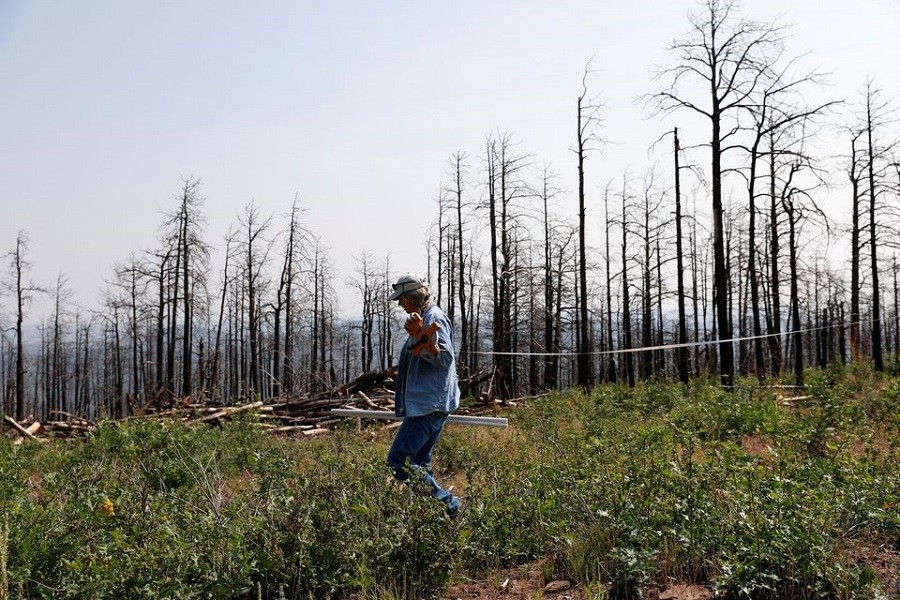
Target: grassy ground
<point x="623" y="492"/>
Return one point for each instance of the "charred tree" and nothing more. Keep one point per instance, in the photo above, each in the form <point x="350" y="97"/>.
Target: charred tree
<point x="729" y="55"/>
<point x="586" y="134"/>
<point x="681" y="353"/>
<point x="19" y="267"/>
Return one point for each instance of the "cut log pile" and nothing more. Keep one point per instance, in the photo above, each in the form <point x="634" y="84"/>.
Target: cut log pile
<point x="303" y="415"/>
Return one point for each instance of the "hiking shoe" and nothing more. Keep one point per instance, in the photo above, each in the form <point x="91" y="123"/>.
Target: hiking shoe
<point x="454" y="508"/>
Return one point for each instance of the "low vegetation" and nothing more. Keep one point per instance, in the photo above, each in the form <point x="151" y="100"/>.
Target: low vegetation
<point x="622" y="491"/>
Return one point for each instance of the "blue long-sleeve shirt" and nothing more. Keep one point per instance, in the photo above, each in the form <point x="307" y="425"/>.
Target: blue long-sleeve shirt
<point x="427" y="383"/>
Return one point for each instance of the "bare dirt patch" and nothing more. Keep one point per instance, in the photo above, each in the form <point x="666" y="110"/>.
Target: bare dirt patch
<point x="522" y="583"/>
<point x="876" y="551"/>
<point x="757" y="446"/>
<point x="530" y="581"/>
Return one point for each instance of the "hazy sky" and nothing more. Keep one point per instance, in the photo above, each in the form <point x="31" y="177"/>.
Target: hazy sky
<point x="355" y="107"/>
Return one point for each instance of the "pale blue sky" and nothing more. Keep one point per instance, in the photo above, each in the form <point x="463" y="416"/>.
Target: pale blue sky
<point x="355" y="106"/>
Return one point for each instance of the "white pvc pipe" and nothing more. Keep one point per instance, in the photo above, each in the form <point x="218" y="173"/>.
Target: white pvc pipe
<point x="497" y="422"/>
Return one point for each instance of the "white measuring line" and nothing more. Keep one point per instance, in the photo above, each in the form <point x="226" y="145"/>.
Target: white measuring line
<point x="496" y="422"/>
<point x="662" y="347"/>
<point x="501" y="423"/>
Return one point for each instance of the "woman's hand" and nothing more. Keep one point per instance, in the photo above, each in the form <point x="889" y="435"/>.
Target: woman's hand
<point x="413" y="324"/>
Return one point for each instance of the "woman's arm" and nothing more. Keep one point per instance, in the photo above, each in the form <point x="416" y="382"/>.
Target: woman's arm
<point x="444" y="358"/>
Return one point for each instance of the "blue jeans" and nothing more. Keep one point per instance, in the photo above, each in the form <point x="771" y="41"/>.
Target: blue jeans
<point x="415" y="442"/>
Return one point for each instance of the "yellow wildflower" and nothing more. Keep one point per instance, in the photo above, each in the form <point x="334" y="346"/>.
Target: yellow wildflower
<point x="106" y="508"/>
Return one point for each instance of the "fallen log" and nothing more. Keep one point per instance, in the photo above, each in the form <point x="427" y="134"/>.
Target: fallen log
<point x="497" y="422"/>
<point x="317" y="431"/>
<point x="314" y="404"/>
<point x="75" y="418"/>
<point x="15" y="425"/>
<point x="311" y="413"/>
<point x="363" y="382"/>
<point x="229" y="411"/>
<point x="476" y="379"/>
<point x="292" y="428"/>
<point x="35" y="428"/>
<point x="367" y="401"/>
<point x="69" y="427"/>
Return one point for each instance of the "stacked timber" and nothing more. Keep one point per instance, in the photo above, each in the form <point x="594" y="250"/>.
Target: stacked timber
<point x="299" y="414"/>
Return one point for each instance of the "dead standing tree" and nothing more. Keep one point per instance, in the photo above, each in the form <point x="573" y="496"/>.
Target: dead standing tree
<point x="386" y="325"/>
<point x="25" y="292"/>
<point x="132" y="278"/>
<point x="57" y="376"/>
<point x="729" y="55"/>
<point x="649" y="231"/>
<point x="282" y="355"/>
<point x="801" y="176"/>
<point x="111" y="400"/>
<point x="627" y="342"/>
<point x="609" y="371"/>
<point x="368" y="283"/>
<point x="587" y="136"/>
<point x="183" y="232"/>
<point x="504" y="167"/>
<point x="458" y="166"/>
<point x="855" y="175"/>
<point x="877" y="156"/>
<point x="160" y="270"/>
<point x="552" y="292"/>
<point x="777" y="107"/>
<point x="213" y="376"/>
<point x="682" y="353"/>
<point x="321" y="371"/>
<point x="254" y="249"/>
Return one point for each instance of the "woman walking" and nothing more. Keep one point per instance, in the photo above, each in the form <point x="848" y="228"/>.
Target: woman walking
<point x="426" y="390"/>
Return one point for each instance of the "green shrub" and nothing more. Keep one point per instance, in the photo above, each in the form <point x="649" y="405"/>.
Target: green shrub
<point x="623" y="490"/>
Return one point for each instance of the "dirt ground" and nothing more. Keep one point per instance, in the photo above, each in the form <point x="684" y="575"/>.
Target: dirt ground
<point x="529" y="582"/>
<point x="515" y="585"/>
<point x="523" y="583"/>
<point x="875" y="551"/>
